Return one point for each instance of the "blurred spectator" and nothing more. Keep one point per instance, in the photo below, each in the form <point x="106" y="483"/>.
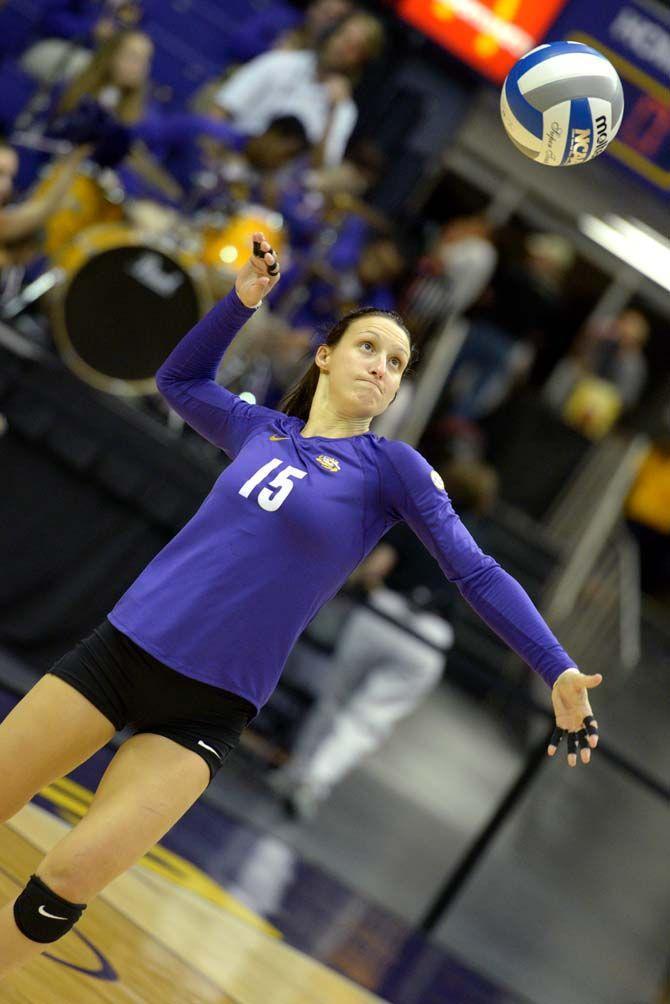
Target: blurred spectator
<point x="9" y="166"/>
<point x="614" y="351"/>
<point x="283" y="140"/>
<point x="314" y="85"/>
<point x="89" y="21"/>
<point x="507" y="324"/>
<point x="360" y="268"/>
<point x="85" y="24"/>
<point x="603" y="375"/>
<point x="648" y="514"/>
<point x="117" y="77"/>
<point x="468" y="257"/>
<point x="527" y="290"/>
<point x="310" y="198"/>
<point x="537" y="295"/>
<point x="452" y="275"/>
<point x="220" y="164"/>
<point x="380" y="673"/>
<point x="282" y="26"/>
<point x="169" y="151"/>
<point x="526" y="300"/>
<point x="21" y="223"/>
<point x="26" y="218"/>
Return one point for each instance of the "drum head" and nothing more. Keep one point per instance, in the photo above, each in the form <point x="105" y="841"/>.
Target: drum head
<point x="123" y="312"/>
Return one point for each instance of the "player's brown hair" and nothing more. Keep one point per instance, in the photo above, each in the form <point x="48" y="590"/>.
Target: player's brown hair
<point x="298" y="399"/>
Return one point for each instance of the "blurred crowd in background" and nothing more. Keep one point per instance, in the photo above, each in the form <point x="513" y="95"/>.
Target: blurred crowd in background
<point x="107" y="145"/>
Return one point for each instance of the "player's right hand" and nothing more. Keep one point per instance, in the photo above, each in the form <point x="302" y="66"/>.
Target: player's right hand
<point x="574" y="717"/>
<point x="254" y="281"/>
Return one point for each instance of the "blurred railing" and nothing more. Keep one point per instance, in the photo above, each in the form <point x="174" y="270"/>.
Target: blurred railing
<point x="592" y="599"/>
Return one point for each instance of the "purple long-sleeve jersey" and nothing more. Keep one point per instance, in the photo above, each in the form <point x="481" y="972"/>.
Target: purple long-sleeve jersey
<point x="282" y="529"/>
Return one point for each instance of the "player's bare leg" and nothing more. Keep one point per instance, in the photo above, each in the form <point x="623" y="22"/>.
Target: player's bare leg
<point x="147" y="787"/>
<point x="46" y="735"/>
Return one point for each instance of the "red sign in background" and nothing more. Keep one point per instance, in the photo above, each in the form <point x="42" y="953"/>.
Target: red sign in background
<point x="489" y="35"/>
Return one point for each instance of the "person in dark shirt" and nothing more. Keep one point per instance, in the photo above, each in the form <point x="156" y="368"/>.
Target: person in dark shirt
<point x="219" y="166"/>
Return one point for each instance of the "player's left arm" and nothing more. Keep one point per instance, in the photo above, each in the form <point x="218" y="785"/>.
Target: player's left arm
<point x="415" y="493"/>
<point x="574" y="717"/>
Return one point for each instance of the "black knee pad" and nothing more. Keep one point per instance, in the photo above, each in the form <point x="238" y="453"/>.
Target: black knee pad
<point x="42" y="915"/>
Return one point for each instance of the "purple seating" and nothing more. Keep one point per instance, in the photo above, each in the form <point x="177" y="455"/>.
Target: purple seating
<point x="17" y="26"/>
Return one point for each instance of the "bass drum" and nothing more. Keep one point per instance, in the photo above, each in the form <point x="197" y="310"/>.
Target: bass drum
<point x="124" y="302"/>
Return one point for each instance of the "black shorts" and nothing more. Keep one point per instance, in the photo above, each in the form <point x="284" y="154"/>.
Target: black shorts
<point x="133" y="688"/>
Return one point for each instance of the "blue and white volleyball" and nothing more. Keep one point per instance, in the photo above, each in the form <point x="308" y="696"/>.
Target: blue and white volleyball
<point x="562" y="104"/>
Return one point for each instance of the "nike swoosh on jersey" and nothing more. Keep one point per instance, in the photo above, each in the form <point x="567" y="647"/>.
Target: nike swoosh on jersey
<point x="210" y="748"/>
<point x="275" y="438"/>
<point x="53" y="916"/>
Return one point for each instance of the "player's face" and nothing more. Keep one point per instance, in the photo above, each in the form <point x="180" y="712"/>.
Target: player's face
<point x="9" y="165"/>
<point x="367" y="365"/>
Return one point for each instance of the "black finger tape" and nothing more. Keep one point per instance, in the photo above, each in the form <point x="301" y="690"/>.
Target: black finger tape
<point x="257" y="250"/>
<point x="583" y="740"/>
<point x="572" y="743"/>
<point x="556" y="737"/>
<point x="591" y="729"/>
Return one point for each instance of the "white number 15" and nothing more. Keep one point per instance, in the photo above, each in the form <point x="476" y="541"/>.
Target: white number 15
<point x="282" y="481"/>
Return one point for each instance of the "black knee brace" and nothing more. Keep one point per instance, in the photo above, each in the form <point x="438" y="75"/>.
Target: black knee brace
<point x="42" y="915"/>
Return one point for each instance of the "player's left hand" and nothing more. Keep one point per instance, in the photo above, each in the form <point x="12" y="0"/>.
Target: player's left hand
<point x="573" y="714"/>
<point x="257" y="277"/>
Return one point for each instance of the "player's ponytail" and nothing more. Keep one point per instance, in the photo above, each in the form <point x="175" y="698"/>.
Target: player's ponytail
<point x="298" y="399"/>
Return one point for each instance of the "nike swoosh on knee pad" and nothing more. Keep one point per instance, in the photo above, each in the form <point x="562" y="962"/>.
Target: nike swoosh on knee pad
<point x="52" y="915"/>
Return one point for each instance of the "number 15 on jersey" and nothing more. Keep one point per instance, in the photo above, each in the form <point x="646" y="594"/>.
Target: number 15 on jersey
<point x="282" y="481"/>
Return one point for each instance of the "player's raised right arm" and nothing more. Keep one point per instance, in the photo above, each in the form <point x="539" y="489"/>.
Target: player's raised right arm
<point x="187" y="378"/>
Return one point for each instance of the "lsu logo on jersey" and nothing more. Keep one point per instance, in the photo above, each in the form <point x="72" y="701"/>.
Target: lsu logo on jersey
<point x="437" y="480"/>
<point x="329" y="463"/>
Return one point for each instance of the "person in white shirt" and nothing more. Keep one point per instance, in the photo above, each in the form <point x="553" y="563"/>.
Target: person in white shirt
<point x="314" y="85"/>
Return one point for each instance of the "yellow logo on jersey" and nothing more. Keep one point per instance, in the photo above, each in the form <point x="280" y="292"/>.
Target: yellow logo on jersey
<point x="275" y="438"/>
<point x="437" y="480"/>
<point x="329" y="463"/>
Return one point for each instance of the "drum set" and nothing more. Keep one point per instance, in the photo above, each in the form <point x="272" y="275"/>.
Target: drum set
<point x="130" y="278"/>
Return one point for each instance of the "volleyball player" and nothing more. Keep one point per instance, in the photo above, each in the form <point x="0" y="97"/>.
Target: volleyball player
<point x="196" y="645"/>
